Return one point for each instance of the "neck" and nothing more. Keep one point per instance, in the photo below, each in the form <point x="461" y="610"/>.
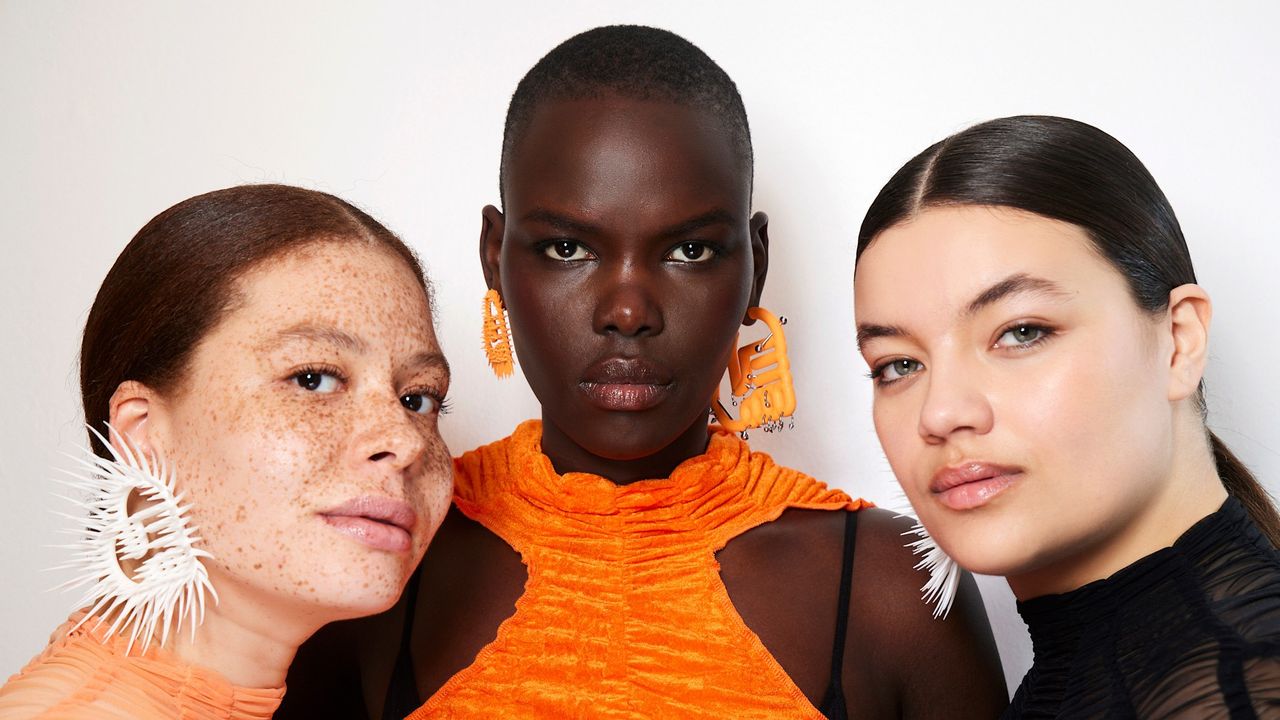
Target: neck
<point x="1192" y="492"/>
<point x="249" y="642"/>
<point x="568" y="456"/>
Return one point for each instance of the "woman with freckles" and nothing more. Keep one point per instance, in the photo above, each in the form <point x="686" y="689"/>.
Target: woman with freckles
<point x="1039" y="398"/>
<point x="272" y="347"/>
<point x="618" y="557"/>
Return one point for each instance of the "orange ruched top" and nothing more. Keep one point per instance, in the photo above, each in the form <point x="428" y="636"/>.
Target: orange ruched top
<point x="624" y="614"/>
<point x="79" y="677"/>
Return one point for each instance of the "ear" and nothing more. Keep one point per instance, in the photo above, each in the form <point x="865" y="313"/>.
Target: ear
<point x="759" y="226"/>
<point x="132" y="410"/>
<point x="1190" y="313"/>
<point x="492" y="226"/>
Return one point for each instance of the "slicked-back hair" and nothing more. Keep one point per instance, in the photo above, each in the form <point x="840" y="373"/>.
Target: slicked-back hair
<point x="630" y="61"/>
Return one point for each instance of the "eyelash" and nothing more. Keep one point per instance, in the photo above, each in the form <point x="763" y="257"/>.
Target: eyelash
<point x="443" y="404"/>
<point x="715" y="251"/>
<point x="877" y="373"/>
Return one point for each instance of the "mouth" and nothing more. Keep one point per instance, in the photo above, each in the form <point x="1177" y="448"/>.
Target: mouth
<point x="378" y="522"/>
<point x="625" y="384"/>
<point x="972" y="483"/>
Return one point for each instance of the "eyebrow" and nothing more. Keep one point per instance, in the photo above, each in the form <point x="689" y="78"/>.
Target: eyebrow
<point x="433" y="360"/>
<point x="322" y="333"/>
<point x="717" y="216"/>
<point x="1013" y="285"/>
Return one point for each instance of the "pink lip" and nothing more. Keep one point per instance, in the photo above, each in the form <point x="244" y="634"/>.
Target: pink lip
<point x="971" y="484"/>
<point x="625" y="384"/>
<point x="379" y="522"/>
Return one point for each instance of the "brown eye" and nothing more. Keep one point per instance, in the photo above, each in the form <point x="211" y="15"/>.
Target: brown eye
<point x="419" y="403"/>
<point x="566" y="250"/>
<point x="690" y="252"/>
<point x="316" y="381"/>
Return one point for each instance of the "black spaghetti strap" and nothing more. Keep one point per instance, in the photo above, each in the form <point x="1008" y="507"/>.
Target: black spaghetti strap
<point x="833" y="705"/>
<point x="402" y="693"/>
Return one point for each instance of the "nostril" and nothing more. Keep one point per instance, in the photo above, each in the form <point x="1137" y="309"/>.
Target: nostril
<point x="381" y="456"/>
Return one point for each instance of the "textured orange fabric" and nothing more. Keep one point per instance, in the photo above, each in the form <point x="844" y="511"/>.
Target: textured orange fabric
<point x="79" y="677"/>
<point x="624" y="614"/>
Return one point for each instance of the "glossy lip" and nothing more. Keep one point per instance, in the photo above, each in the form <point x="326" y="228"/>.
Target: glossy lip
<point x="379" y="522"/>
<point x="972" y="483"/>
<point x="624" y="384"/>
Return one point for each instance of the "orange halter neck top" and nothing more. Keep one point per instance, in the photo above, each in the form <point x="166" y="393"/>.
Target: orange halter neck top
<point x="79" y="676"/>
<point x="624" y="614"/>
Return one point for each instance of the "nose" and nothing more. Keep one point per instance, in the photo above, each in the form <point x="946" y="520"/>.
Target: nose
<point x="628" y="303"/>
<point x="954" y="403"/>
<point x="387" y="438"/>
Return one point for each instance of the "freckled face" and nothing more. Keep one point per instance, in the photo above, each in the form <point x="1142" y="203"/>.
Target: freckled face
<point x="309" y="411"/>
<point x="626" y="264"/>
<point x="1019" y="398"/>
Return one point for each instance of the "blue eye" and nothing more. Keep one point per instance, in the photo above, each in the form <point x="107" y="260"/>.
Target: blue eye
<point x="895" y="370"/>
<point x="691" y="252"/>
<point x="317" y="381"/>
<point x="419" y="403"/>
<point x="1022" y="335"/>
<point x="566" y="251"/>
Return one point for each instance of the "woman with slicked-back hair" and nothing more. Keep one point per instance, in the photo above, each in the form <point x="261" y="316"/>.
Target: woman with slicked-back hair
<point x="1026" y="303"/>
<point x="262" y="384"/>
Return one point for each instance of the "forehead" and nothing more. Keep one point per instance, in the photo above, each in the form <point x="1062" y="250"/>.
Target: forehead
<point x="592" y="154"/>
<point x="937" y="262"/>
<point x="354" y="285"/>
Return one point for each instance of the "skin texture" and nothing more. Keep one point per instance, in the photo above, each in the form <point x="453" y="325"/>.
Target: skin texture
<point x="1063" y="381"/>
<point x="607" y="202"/>
<point x="261" y="456"/>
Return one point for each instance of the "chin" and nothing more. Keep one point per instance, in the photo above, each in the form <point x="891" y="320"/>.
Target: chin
<point x="985" y="548"/>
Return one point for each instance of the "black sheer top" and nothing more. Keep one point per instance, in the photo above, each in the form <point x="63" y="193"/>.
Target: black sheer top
<point x="1190" y="631"/>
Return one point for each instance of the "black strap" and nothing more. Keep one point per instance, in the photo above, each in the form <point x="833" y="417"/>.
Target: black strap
<point x="833" y="705"/>
<point x="402" y="694"/>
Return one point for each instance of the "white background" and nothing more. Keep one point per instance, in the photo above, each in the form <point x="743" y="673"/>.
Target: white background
<point x="111" y="112"/>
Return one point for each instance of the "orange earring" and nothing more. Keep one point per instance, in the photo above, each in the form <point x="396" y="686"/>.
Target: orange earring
<point x="497" y="335"/>
<point x="760" y="381"/>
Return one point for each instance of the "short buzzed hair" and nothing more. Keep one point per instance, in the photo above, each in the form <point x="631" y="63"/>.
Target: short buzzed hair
<point x="631" y="61"/>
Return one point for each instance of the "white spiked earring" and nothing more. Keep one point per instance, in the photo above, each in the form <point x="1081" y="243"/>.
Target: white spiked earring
<point x="944" y="574"/>
<point x="169" y="585"/>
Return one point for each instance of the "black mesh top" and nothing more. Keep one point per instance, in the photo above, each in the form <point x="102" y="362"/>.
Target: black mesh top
<point x="1190" y="631"/>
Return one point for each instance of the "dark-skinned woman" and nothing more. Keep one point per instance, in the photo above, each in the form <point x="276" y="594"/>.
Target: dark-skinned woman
<point x="618" y="558"/>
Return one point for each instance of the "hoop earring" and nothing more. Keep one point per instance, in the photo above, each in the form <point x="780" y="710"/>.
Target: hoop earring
<point x="497" y="335"/>
<point x="170" y="582"/>
<point x="760" y="381"/>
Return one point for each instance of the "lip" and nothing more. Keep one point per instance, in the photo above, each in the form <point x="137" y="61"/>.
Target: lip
<point x="379" y="522"/>
<point x="623" y="384"/>
<point x="972" y="483"/>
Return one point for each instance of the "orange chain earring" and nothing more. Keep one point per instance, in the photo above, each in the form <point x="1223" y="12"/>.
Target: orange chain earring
<point x="760" y="381"/>
<point x="497" y="335"/>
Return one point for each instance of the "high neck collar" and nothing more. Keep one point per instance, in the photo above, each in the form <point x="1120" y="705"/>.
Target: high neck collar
<point x="1057" y="622"/>
<point x="591" y="494"/>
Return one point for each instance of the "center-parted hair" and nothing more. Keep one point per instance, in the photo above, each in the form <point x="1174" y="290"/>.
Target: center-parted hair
<point x="630" y="61"/>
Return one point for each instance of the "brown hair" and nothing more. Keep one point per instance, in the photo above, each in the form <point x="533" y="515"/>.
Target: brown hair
<point x="174" y="281"/>
<point x="1070" y="171"/>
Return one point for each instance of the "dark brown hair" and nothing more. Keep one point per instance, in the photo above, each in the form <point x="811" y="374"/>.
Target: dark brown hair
<point x="1070" y="171"/>
<point x="174" y="281"/>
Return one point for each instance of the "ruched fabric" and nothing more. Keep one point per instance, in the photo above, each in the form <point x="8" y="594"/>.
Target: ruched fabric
<point x="624" y="614"/>
<point x="1191" y="631"/>
<point x="80" y="677"/>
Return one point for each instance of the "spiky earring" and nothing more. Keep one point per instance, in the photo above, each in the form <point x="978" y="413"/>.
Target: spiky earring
<point x="497" y="335"/>
<point x="170" y="582"/>
<point x="944" y="573"/>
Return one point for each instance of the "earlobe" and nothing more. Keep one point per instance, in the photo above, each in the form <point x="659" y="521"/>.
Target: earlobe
<point x="759" y="227"/>
<point x="492" y="227"/>
<point x="1190" y="313"/>
<point x="131" y="408"/>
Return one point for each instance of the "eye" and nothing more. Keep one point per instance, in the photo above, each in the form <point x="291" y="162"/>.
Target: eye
<point x="1022" y="335"/>
<point x="691" y="252"/>
<point x="316" y="380"/>
<point x="567" y="251"/>
<point x="421" y="403"/>
<point x="895" y="370"/>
